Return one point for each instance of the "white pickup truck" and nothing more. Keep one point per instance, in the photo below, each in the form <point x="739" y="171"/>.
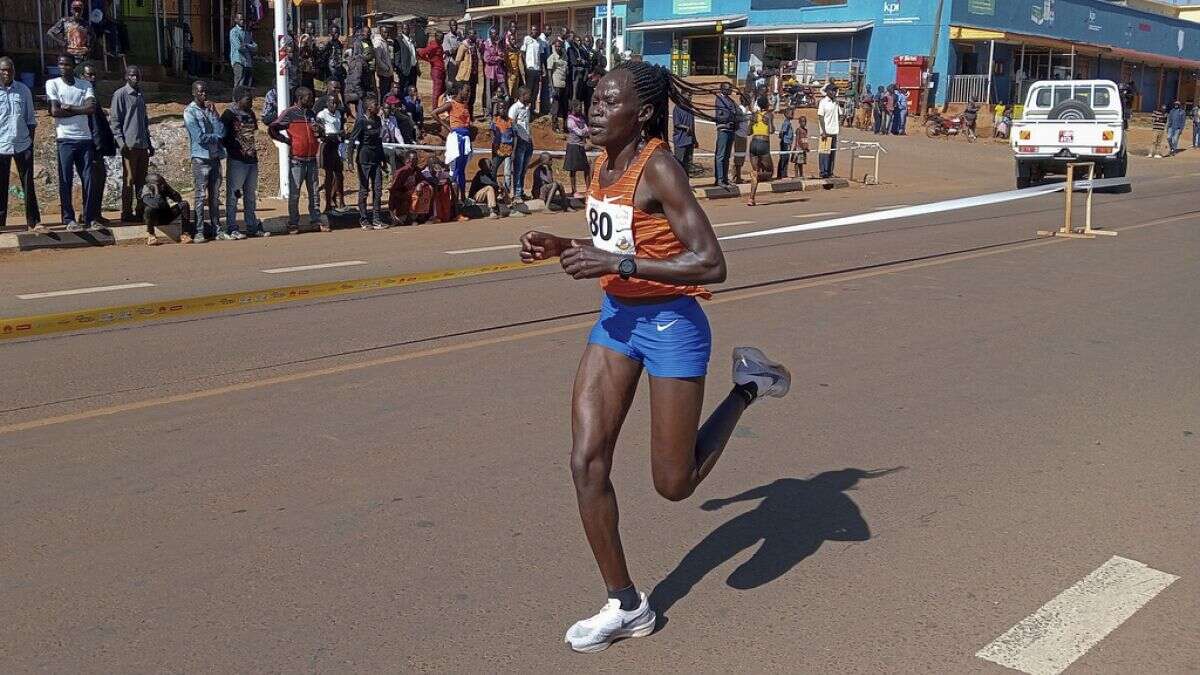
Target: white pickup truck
<point x="1070" y="121"/>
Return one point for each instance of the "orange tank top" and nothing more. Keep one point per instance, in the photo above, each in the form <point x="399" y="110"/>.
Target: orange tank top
<point x="460" y="115"/>
<point x="617" y="225"/>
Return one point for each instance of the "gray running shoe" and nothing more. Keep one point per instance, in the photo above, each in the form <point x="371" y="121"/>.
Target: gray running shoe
<point x="237" y="234"/>
<point x="73" y="226"/>
<point x="595" y="634"/>
<point x="751" y="365"/>
<point x="225" y="236"/>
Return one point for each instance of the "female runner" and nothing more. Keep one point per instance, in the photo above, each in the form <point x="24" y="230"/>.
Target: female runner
<point x="652" y="247"/>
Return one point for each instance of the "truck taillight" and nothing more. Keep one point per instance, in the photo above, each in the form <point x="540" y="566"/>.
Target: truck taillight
<point x="1026" y="148"/>
<point x="1102" y="151"/>
<point x="1026" y="135"/>
<point x="1109" y="135"/>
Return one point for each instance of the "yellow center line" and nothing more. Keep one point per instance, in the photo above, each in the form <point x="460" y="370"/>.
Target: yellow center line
<point x="105" y="317"/>
<point x="515" y="337"/>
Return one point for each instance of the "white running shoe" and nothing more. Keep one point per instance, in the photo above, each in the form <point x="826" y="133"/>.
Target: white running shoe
<point x="751" y="365"/>
<point x="612" y="623"/>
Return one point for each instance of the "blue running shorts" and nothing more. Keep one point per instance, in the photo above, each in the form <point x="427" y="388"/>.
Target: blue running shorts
<point x="670" y="338"/>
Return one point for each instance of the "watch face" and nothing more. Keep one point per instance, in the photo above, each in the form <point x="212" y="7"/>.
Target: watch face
<point x="627" y="267"/>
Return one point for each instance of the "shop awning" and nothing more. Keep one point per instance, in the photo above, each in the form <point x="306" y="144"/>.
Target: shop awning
<point x="477" y="13"/>
<point x="696" y="22"/>
<point x="1091" y="49"/>
<point x="805" y="29"/>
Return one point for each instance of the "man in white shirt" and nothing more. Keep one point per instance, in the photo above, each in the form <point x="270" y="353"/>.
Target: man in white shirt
<point x="829" y="115"/>
<point x="72" y="101"/>
<point x="522" y="144"/>
<point x="531" y="58"/>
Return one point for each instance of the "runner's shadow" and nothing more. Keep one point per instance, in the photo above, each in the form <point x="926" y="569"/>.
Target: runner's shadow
<point x="793" y="519"/>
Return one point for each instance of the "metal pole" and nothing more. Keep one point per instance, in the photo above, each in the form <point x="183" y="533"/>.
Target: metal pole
<point x="991" y="67"/>
<point x="41" y="38"/>
<point x="220" y="34"/>
<point x="321" y="18"/>
<point x="281" y="90"/>
<point x="346" y="19"/>
<point x="608" y="36"/>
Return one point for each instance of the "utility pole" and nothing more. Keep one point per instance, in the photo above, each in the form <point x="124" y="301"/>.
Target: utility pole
<point x="281" y="89"/>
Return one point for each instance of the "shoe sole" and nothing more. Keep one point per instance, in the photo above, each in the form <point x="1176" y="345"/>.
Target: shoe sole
<point x="624" y="633"/>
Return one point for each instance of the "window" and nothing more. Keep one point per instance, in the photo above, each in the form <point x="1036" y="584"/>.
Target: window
<point x="1101" y="98"/>
<point x="1042" y="97"/>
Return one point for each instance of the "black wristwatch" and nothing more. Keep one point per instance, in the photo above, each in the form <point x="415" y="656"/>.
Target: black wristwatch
<point x="627" y="267"/>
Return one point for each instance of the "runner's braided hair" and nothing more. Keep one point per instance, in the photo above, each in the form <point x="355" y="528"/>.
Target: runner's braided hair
<point x="659" y="87"/>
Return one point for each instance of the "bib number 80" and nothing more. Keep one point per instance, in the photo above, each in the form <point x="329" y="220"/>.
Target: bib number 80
<point x="601" y="224"/>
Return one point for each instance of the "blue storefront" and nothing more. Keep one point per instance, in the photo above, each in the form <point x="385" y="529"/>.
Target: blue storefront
<point x="987" y="48"/>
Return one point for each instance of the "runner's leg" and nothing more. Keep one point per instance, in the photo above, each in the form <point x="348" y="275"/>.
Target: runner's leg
<point x="680" y="456"/>
<point x="604" y="387"/>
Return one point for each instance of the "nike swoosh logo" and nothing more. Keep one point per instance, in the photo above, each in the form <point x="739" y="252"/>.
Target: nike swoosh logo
<point x="662" y="327"/>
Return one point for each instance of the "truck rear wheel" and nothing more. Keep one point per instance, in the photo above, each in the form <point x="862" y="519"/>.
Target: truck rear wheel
<point x="1024" y="176"/>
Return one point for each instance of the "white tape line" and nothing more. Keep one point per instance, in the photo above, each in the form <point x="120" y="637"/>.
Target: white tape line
<point x="1064" y="629"/>
<point x="484" y="249"/>
<point x="305" y="268"/>
<point x="926" y="209"/>
<point x="735" y="222"/>
<point x="82" y="291"/>
<point x="890" y="206"/>
<point x="818" y="214"/>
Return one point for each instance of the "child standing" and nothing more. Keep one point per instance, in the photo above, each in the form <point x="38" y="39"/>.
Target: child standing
<point x="502" y="144"/>
<point x="576" y="160"/>
<point x="368" y="136"/>
<point x="800" y="146"/>
<point x="332" y="124"/>
<point x="787" y="137"/>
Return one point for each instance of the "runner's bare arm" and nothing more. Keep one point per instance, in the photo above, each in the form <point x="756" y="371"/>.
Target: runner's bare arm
<point x="537" y="246"/>
<point x="664" y="189"/>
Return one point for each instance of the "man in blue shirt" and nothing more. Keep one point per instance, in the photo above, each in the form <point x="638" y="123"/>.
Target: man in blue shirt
<point x="684" y="138"/>
<point x="17" y="124"/>
<point x="206" y="134"/>
<point x="241" y="49"/>
<point x="1175" y="121"/>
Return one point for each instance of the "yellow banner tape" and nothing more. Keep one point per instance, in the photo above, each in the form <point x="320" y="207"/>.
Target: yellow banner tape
<point x="105" y="317"/>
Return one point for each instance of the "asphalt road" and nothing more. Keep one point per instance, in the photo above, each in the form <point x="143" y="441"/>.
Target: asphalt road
<point x="379" y="482"/>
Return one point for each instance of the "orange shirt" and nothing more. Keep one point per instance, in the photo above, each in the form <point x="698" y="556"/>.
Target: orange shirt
<point x="617" y="225"/>
<point x="460" y="115"/>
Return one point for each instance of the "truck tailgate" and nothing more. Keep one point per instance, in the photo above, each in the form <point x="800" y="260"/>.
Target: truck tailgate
<point x="1045" y="137"/>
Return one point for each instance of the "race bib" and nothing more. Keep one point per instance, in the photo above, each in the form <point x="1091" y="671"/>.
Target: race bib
<point x="611" y="226"/>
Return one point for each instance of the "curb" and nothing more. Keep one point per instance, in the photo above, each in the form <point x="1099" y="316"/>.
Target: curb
<point x="340" y="219"/>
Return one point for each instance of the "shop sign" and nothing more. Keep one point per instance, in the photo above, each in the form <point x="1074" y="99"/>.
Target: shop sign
<point x="982" y="7"/>
<point x="892" y="14"/>
<point x="1042" y="13"/>
<point x="691" y="6"/>
<point x="1091" y="22"/>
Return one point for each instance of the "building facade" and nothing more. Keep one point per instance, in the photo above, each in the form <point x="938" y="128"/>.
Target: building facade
<point x="989" y="49"/>
<point x="585" y="17"/>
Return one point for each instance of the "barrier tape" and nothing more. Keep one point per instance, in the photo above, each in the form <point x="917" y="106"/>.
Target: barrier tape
<point x="933" y="207"/>
<point x="106" y="317"/>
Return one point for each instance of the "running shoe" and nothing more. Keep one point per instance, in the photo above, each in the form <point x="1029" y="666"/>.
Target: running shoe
<point x="237" y="235"/>
<point x="611" y="624"/>
<point x="73" y="226"/>
<point x="225" y="236"/>
<point x="751" y="365"/>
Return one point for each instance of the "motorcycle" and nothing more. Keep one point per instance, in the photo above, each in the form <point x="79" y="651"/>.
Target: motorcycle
<point x="936" y="125"/>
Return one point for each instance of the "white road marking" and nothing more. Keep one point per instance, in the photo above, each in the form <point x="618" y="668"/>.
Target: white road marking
<point x="1052" y="638"/>
<point x="818" y="214"/>
<point x="484" y="249"/>
<point x="735" y="222"/>
<point x="893" y="206"/>
<point x="82" y="291"/>
<point x="321" y="266"/>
